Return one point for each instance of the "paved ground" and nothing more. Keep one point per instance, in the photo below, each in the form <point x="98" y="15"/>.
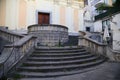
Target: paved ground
<point x="106" y="71"/>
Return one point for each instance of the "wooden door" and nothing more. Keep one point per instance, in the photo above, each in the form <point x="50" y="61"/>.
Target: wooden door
<point x="43" y="18"/>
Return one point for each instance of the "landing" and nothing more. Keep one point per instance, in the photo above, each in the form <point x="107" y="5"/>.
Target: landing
<point x="106" y="71"/>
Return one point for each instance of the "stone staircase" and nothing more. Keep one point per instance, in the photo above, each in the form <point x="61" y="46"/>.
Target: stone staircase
<point x="53" y="62"/>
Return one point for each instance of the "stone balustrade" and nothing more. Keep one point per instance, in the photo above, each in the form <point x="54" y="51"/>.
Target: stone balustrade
<point x="16" y="52"/>
<point x="97" y="47"/>
<point x="92" y="45"/>
<point x="9" y="35"/>
<point x="113" y="54"/>
<point x="49" y="35"/>
<point x="13" y="54"/>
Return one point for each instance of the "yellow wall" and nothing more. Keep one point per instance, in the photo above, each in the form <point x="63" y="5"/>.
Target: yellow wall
<point x="76" y="19"/>
<point x="110" y="2"/>
<point x="22" y="14"/>
<point x="62" y="15"/>
<point x="18" y="14"/>
<point x="2" y="12"/>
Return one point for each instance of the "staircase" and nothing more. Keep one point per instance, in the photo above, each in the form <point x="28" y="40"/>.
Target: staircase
<point x="53" y="62"/>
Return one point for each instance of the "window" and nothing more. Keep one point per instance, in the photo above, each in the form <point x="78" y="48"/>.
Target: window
<point x="88" y="29"/>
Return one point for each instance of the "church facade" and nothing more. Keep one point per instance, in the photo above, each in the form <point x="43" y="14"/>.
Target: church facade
<point x="19" y="14"/>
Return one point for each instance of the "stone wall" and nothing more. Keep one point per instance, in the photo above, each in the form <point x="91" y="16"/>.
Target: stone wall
<point x="49" y="35"/>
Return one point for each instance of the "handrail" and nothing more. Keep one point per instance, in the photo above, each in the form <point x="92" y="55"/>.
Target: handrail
<point x="6" y="61"/>
<point x="113" y="55"/>
<point x="1" y="50"/>
<point x="94" y="41"/>
<point x="9" y="55"/>
<point x="21" y="41"/>
<point x="86" y="35"/>
<point x="100" y="48"/>
<point x="92" y="45"/>
<point x="19" y="50"/>
<point x="114" y="51"/>
<point x="10" y="32"/>
<point x="9" y="35"/>
<point x="116" y="45"/>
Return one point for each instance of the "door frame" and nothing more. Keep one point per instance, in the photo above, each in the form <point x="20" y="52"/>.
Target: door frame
<point x="42" y="11"/>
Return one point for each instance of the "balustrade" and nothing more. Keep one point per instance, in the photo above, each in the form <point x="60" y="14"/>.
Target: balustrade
<point x="98" y="48"/>
<point x="12" y="54"/>
<point x="92" y="45"/>
<point x="10" y="36"/>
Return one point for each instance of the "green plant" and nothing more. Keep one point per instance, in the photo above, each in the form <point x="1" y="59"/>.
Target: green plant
<point x="115" y="6"/>
<point x="103" y="6"/>
<point x="109" y="10"/>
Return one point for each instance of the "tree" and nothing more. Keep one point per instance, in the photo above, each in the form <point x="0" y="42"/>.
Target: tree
<point x="115" y="6"/>
<point x="103" y="7"/>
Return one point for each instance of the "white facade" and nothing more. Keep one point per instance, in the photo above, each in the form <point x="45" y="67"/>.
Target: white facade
<point x="98" y="26"/>
<point x="90" y="13"/>
<point x="115" y="26"/>
<point x="88" y="17"/>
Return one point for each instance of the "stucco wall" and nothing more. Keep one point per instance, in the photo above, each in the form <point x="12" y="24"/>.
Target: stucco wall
<point x="2" y="12"/>
<point x="115" y="26"/>
<point x="11" y="15"/>
<point x="21" y="13"/>
<point x="98" y="26"/>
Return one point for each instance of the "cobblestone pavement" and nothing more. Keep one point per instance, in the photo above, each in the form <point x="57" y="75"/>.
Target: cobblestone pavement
<point x="107" y="71"/>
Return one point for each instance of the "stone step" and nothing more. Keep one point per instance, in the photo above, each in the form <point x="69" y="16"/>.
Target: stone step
<point x="58" y="55"/>
<point x="45" y="69"/>
<point x="60" y="48"/>
<point x="60" y="58"/>
<point x="61" y="63"/>
<point x="53" y="62"/>
<point x="59" y="51"/>
<point x="37" y="75"/>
